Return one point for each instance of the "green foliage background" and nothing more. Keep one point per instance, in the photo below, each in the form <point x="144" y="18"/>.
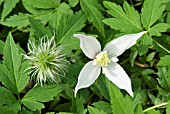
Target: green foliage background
<point x="147" y="63"/>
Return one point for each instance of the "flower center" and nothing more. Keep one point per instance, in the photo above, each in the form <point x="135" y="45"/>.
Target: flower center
<point x="102" y="59"/>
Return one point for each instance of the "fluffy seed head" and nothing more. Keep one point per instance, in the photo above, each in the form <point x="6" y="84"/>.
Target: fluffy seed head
<point x="47" y="60"/>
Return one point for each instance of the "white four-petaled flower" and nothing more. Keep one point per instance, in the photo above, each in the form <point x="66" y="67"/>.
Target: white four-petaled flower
<point x="105" y="60"/>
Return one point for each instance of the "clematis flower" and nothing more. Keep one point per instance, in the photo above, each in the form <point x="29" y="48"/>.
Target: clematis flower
<point x="105" y="60"/>
<point x="47" y="60"/>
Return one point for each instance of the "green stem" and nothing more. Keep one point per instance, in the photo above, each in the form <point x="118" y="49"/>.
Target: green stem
<point x="123" y="62"/>
<point x="131" y="2"/>
<point x="161" y="46"/>
<point x="156" y="106"/>
<point x="19" y="99"/>
<point x="89" y="97"/>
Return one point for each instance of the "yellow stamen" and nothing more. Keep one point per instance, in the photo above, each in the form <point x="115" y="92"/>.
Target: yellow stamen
<point x="102" y="59"/>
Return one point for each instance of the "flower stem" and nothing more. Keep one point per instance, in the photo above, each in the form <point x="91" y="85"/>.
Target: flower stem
<point x="162" y="46"/>
<point x="89" y="98"/>
<point x="156" y="106"/>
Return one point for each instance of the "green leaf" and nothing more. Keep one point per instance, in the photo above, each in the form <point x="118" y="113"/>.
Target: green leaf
<point x="119" y="102"/>
<point x="93" y="14"/>
<point x="45" y="4"/>
<point x="137" y="100"/>
<point x="95" y="110"/>
<point x="59" y="22"/>
<point x="125" y="20"/>
<point x="20" y="21"/>
<point x="24" y="111"/>
<point x="101" y="85"/>
<point x="151" y="12"/>
<point x="60" y="17"/>
<point x="50" y="113"/>
<point x="8" y="99"/>
<point x="73" y="3"/>
<point x="164" y="80"/>
<point x="1" y="1"/>
<point x="12" y="58"/>
<point x="6" y="79"/>
<point x="153" y="111"/>
<point x="32" y="100"/>
<point x="65" y="113"/>
<point x="168" y="108"/>
<point x="77" y="106"/>
<point x="6" y="110"/>
<point x="164" y="61"/>
<point x="74" y="23"/>
<point x="139" y="110"/>
<point x="44" y="15"/>
<point x="149" y="80"/>
<point x="39" y="29"/>
<point x="8" y="6"/>
<point x="145" y="42"/>
<point x="158" y="28"/>
<point x="150" y="57"/>
<point x="102" y="105"/>
<point x="1" y="46"/>
<point x="71" y="44"/>
<point x="13" y="67"/>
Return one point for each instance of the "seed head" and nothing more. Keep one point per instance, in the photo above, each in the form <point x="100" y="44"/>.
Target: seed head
<point x="48" y="61"/>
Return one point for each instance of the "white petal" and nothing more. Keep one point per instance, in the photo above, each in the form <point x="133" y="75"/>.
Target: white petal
<point x="115" y="73"/>
<point x="119" y="45"/>
<point x="115" y="59"/>
<point x="87" y="76"/>
<point x="89" y="45"/>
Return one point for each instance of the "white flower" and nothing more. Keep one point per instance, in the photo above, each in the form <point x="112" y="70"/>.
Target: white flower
<point x="47" y="60"/>
<point x="105" y="60"/>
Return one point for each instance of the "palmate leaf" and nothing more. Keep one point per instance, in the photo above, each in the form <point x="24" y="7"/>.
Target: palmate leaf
<point x="164" y="80"/>
<point x="151" y="12"/>
<point x="93" y="110"/>
<point x="59" y="18"/>
<point x="7" y="110"/>
<point x="122" y="104"/>
<point x="93" y="14"/>
<point x="74" y="23"/>
<point x="126" y="20"/>
<point x="102" y="87"/>
<point x="145" y="42"/>
<point x="20" y="21"/>
<point x="158" y="28"/>
<point x="39" y="29"/>
<point x="12" y="75"/>
<point x="102" y="105"/>
<point x="139" y="109"/>
<point x="8" y="6"/>
<point x="8" y="99"/>
<point x="73" y="3"/>
<point x="1" y="46"/>
<point x="44" y="15"/>
<point x="44" y="4"/>
<point x="77" y="106"/>
<point x="119" y="102"/>
<point x="164" y="61"/>
<point x="32" y="100"/>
